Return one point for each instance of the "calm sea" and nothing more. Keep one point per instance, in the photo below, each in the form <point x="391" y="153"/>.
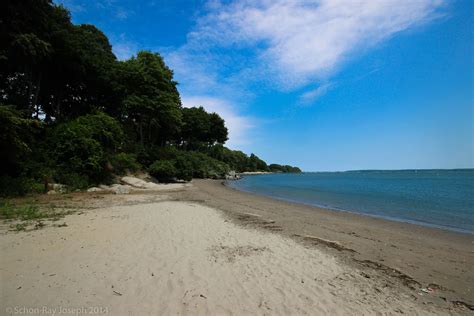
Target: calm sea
<point x="436" y="198"/>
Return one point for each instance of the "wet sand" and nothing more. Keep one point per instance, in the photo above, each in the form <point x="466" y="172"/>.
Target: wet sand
<point x="429" y="256"/>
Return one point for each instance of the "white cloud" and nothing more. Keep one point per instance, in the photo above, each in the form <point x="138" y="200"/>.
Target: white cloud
<point x="312" y="95"/>
<point x="303" y="41"/>
<point x="238" y="125"/>
<point x="239" y="48"/>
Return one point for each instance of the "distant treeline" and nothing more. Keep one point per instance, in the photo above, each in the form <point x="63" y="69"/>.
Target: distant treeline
<point x="70" y="112"/>
<point x="284" y="168"/>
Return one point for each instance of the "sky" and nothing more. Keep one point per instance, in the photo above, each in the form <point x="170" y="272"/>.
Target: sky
<point x="327" y="85"/>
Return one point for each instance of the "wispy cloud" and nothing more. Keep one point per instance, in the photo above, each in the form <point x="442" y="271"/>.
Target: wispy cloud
<point x="286" y="45"/>
<point x="314" y="94"/>
<point x="72" y="5"/>
<point x="123" y="47"/>
<point x="122" y="14"/>
<point x="301" y="41"/>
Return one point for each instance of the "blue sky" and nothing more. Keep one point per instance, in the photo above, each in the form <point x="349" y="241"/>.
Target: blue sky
<point x="325" y="85"/>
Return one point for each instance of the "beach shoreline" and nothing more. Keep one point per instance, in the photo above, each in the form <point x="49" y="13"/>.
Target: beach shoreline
<point x="208" y="249"/>
<point x="376" y="211"/>
<point x="426" y="254"/>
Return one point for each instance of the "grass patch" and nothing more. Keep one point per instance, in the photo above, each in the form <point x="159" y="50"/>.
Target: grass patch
<point x="29" y="214"/>
<point x="19" y="227"/>
<point x="9" y="211"/>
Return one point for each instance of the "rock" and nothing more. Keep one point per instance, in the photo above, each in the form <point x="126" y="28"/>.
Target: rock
<point x="120" y="189"/>
<point x="95" y="189"/>
<point x="139" y="183"/>
<point x="232" y="175"/>
<point x="60" y="188"/>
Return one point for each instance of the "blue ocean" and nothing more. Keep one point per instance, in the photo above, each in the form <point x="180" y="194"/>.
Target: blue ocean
<point x="435" y="198"/>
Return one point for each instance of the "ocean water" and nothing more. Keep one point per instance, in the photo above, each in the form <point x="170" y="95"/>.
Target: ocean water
<point x="435" y="198"/>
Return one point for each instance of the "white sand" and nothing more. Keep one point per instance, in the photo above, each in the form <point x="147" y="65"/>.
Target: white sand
<point x="173" y="258"/>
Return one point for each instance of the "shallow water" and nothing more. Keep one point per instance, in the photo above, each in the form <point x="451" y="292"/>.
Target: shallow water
<point x="436" y="198"/>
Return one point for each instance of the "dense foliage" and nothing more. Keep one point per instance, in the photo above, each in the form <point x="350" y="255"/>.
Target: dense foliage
<point x="70" y="112"/>
<point x="283" y="168"/>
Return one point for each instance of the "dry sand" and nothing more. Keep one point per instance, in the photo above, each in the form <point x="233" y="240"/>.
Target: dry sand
<point x="164" y="254"/>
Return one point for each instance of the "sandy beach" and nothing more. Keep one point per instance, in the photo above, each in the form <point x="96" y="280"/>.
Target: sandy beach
<point x="209" y="250"/>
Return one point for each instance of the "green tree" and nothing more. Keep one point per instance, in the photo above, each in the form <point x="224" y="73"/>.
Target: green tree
<point x="15" y="139"/>
<point x="201" y="128"/>
<point x="257" y="164"/>
<point x="51" y="66"/>
<point x="151" y="106"/>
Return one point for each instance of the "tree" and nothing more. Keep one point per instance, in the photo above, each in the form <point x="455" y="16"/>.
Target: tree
<point x="151" y="106"/>
<point x="284" y="168"/>
<point x="25" y="48"/>
<point x="70" y="112"/>
<point x="257" y="164"/>
<point x="79" y="77"/>
<point x="15" y="139"/>
<point x="51" y="66"/>
<point x="218" y="131"/>
<point x="201" y="128"/>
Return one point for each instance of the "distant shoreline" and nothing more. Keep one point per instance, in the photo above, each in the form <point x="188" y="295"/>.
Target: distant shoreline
<point x="250" y="173"/>
<point x="378" y="170"/>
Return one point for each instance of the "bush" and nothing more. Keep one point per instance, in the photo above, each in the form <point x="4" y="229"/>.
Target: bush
<point x="104" y="129"/>
<point x="236" y="159"/>
<point x="74" y="181"/>
<point x="18" y="186"/>
<point x="14" y="186"/>
<point x="188" y="164"/>
<point x="204" y="166"/>
<point x="79" y="149"/>
<point x="76" y="152"/>
<point x="15" y="139"/>
<point x="184" y="168"/>
<point x="163" y="170"/>
<point x="123" y="163"/>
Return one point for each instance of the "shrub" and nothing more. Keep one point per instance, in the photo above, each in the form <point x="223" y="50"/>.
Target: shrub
<point x="15" y="138"/>
<point x="184" y="168"/>
<point x="163" y="170"/>
<point x="14" y="186"/>
<point x="73" y="180"/>
<point x="104" y="129"/>
<point x="79" y="149"/>
<point x="123" y="163"/>
<point x="205" y="166"/>
<point x="236" y="159"/>
<point x="76" y="152"/>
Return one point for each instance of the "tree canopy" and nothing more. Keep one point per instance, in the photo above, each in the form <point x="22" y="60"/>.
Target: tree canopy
<point x="71" y="112"/>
